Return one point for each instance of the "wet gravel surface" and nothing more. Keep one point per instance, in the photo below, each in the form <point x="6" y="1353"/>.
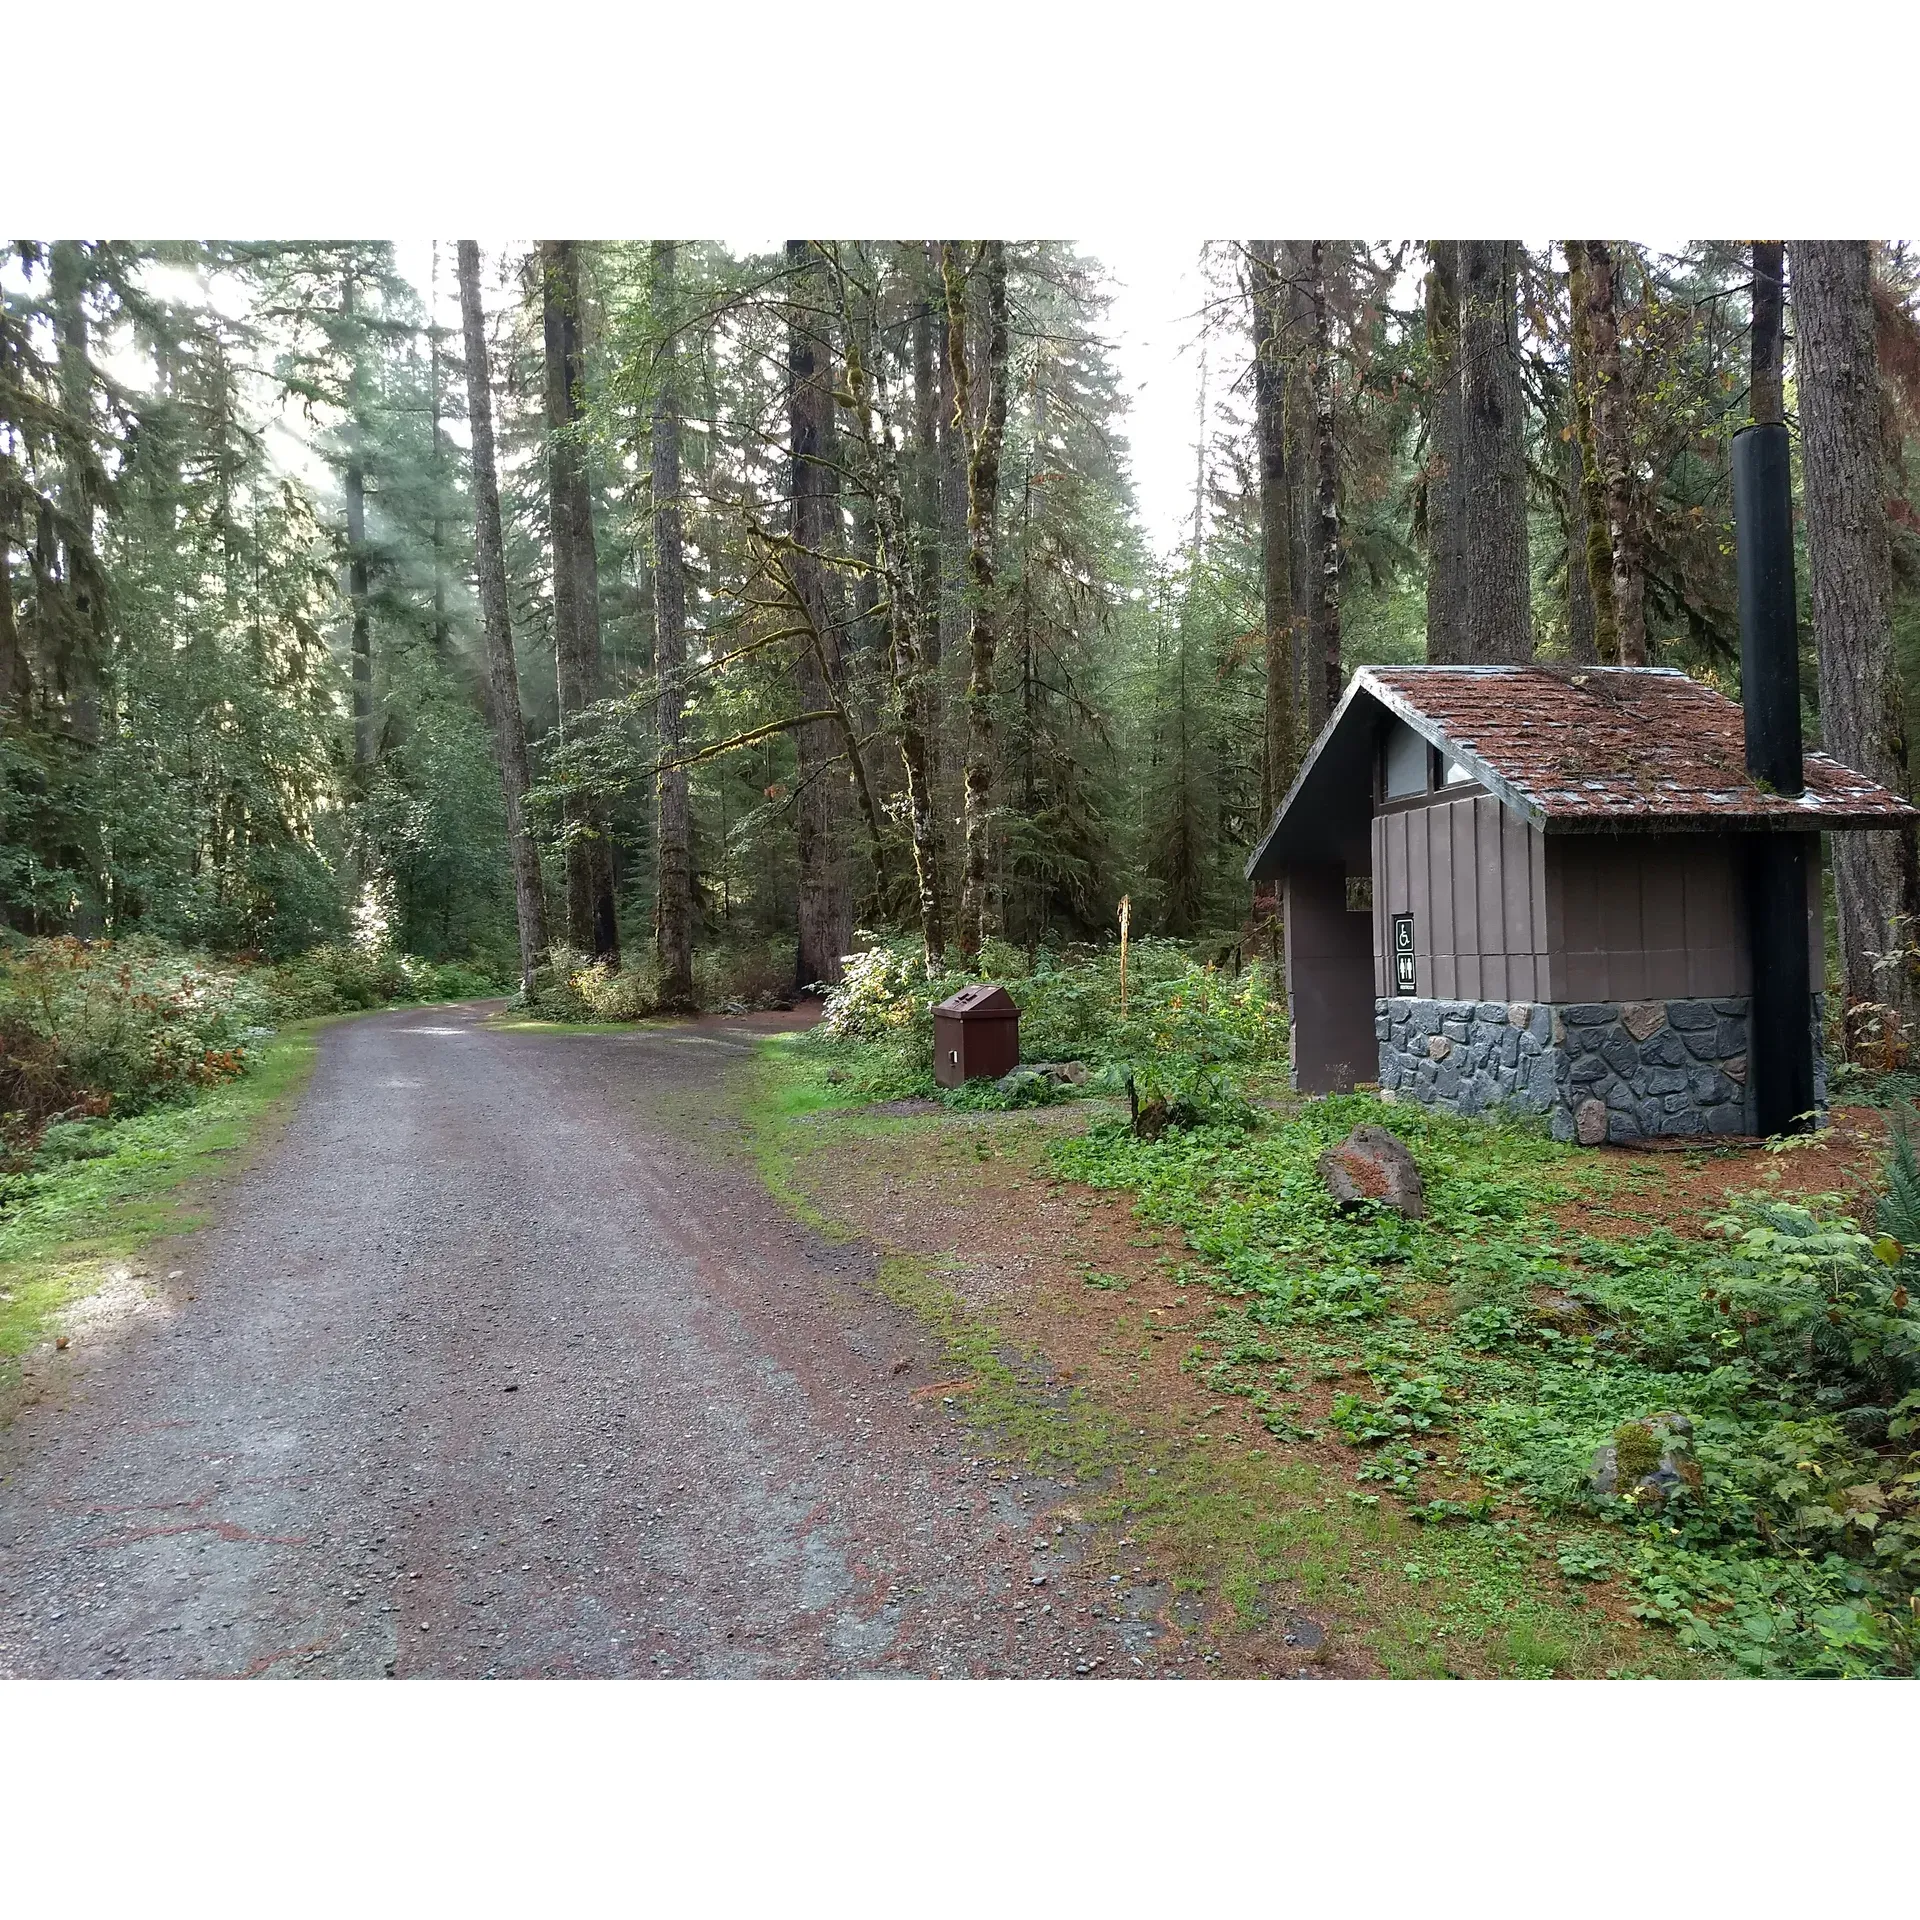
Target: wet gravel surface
<point x="494" y="1365"/>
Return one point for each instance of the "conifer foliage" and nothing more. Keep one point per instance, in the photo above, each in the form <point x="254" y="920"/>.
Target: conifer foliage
<point x="808" y="588"/>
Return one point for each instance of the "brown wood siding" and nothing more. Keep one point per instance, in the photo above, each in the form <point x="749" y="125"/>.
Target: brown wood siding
<point x="1473" y="875"/>
<point x="1328" y="1002"/>
<point x="1654" y="917"/>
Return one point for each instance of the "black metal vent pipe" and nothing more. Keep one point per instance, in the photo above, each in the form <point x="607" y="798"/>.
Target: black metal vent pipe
<point x="1769" y="634"/>
<point x="1780" y="1038"/>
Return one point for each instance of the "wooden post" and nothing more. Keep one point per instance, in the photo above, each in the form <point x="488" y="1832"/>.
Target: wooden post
<point x="1126" y="920"/>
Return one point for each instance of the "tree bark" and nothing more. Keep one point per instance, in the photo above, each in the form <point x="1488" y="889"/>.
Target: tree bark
<point x="1862" y="712"/>
<point x="924" y="504"/>
<point x="592" y="924"/>
<point x="16" y="676"/>
<point x="1281" y="754"/>
<point x="952" y="477"/>
<point x="1596" y="548"/>
<point x="503" y="680"/>
<point x="441" y="627"/>
<point x="1296" y="268"/>
<point x="1613" y="446"/>
<point x="901" y="554"/>
<point x="357" y="595"/>
<point x="1446" y="586"/>
<point x="79" y="656"/>
<point x="1766" y="400"/>
<point x="1582" y="640"/>
<point x="673" y="848"/>
<point x="983" y="445"/>
<point x="1493" y="465"/>
<point x="824" y="915"/>
<point x="355" y="488"/>
<point x="1323" y="607"/>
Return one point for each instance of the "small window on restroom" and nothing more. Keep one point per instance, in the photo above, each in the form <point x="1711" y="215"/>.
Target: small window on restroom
<point x="1406" y="762"/>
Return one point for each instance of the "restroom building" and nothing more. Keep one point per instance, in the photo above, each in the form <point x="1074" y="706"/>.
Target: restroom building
<point x="1535" y="887"/>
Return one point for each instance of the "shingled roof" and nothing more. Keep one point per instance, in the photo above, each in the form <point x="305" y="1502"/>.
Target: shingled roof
<point x="1587" y="749"/>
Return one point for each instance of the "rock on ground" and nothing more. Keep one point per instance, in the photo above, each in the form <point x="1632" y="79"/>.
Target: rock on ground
<point x="1373" y="1164"/>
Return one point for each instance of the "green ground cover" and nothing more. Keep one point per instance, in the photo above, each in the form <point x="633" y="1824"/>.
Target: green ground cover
<point x="1764" y="1369"/>
<point x="1484" y="1355"/>
<point x="98" y="1190"/>
<point x="1249" y="1532"/>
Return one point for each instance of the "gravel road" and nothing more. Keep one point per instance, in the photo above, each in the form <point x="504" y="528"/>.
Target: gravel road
<point x="497" y="1363"/>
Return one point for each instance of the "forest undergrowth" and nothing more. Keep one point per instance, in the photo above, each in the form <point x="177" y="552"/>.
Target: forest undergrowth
<point x="129" y="1068"/>
<point x="1757" y="1382"/>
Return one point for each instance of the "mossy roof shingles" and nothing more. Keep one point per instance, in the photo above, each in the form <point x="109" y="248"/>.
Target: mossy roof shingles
<point x="1617" y="748"/>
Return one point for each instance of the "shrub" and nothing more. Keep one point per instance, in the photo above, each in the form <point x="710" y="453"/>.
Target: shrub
<point x="739" y="979"/>
<point x="89" y="1024"/>
<point x="1185" y="1022"/>
<point x="352" y="979"/>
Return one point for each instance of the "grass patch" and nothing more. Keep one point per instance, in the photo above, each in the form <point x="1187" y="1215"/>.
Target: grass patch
<point x="1257" y="1531"/>
<point x="1475" y="1362"/>
<point x="111" y="1186"/>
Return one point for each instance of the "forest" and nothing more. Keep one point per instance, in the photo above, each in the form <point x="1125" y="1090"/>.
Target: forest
<point x="654" y="624"/>
<point x="629" y="629"/>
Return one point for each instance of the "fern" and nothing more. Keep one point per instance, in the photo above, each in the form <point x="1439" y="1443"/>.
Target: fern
<point x="1900" y="1207"/>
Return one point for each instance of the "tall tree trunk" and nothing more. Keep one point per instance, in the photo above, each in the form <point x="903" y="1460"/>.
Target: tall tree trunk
<point x="357" y="595"/>
<point x="924" y="504"/>
<point x="1281" y="754"/>
<point x="16" y="677"/>
<point x="1582" y="637"/>
<point x="78" y="656"/>
<point x="441" y="628"/>
<point x="1596" y="553"/>
<point x="1613" y="446"/>
<point x="1766" y="401"/>
<point x="503" y="680"/>
<point x="1323" y="613"/>
<point x="901" y="553"/>
<point x="824" y="914"/>
<point x="983" y="499"/>
<point x="953" y="477"/>
<point x="1862" y="712"/>
<point x="1446" y="581"/>
<point x="592" y="925"/>
<point x="1493" y="464"/>
<point x="355" y="487"/>
<point x="1296" y="269"/>
<point x="673" y="849"/>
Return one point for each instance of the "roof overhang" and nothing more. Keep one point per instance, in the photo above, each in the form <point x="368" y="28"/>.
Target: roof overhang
<point x="1335" y="782"/>
<point x="1326" y="816"/>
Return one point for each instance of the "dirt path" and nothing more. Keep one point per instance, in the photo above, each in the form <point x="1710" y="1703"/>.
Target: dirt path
<point x="490" y="1368"/>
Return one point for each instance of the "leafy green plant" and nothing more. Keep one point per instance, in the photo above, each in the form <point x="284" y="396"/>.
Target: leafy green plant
<point x="1785" y="1538"/>
<point x="85" y="1025"/>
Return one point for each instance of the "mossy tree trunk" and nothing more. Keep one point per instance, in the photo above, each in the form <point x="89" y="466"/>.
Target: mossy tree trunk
<point x="673" y="843"/>
<point x="1862" y="711"/>
<point x="1614" y="449"/>
<point x="1281" y="753"/>
<point x="1446" y="581"/>
<point x="1324" y="564"/>
<point x="503" y="680"/>
<point x="592" y="924"/>
<point x="1493" y="467"/>
<point x="983" y="387"/>
<point x="1596" y="554"/>
<point x="823" y="913"/>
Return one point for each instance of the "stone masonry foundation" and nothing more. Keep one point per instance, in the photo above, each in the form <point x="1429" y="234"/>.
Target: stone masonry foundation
<point x="1605" y="1071"/>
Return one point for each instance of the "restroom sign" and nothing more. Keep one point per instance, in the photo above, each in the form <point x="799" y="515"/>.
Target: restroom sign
<point x="1403" y="953"/>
